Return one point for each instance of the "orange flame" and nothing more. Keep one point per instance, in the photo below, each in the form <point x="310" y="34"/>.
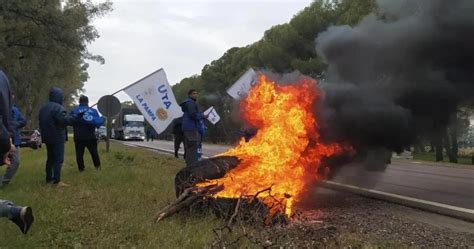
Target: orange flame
<point x="285" y="154"/>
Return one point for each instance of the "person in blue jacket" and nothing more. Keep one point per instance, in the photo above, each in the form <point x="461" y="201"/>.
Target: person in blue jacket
<point x="84" y="132"/>
<point x="17" y="122"/>
<point x="53" y="120"/>
<point x="190" y="126"/>
<point x="22" y="216"/>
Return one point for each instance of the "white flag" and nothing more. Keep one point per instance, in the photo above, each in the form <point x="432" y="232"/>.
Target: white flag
<point x="155" y="99"/>
<point x="242" y="86"/>
<point x="213" y="117"/>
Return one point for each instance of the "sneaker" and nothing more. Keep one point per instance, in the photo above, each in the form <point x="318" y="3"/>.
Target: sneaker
<point x="61" y="184"/>
<point x="23" y="218"/>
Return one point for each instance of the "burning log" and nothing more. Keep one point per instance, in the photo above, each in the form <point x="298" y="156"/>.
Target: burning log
<point x="209" y="169"/>
<point x="189" y="195"/>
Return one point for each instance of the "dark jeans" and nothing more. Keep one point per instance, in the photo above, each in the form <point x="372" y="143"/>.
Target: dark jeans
<point x="54" y="163"/>
<point x="191" y="141"/>
<point x="11" y="171"/>
<point x="178" y="139"/>
<point x="91" y="145"/>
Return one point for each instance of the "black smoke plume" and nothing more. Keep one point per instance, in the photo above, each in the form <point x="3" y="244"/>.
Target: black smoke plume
<point x="403" y="70"/>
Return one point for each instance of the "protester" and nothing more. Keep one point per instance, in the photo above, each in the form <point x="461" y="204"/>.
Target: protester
<point x="150" y="133"/>
<point x="21" y="216"/>
<point x="84" y="132"/>
<point x="190" y="126"/>
<point x="201" y="130"/>
<point x="17" y="122"/>
<point x="53" y="120"/>
<point x="178" y="136"/>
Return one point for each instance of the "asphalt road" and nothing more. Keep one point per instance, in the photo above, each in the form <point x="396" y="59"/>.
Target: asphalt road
<point x="442" y="183"/>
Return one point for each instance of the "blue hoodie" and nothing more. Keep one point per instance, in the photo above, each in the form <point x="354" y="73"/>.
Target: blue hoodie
<point x="191" y="116"/>
<point x="84" y="128"/>
<point x="18" y="122"/>
<point x="53" y="118"/>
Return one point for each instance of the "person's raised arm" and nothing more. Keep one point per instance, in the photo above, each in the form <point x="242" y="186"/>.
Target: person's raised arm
<point x="62" y="118"/>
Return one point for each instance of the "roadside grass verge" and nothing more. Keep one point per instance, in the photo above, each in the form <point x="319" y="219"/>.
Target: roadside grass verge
<point x="111" y="207"/>
<point x="431" y="157"/>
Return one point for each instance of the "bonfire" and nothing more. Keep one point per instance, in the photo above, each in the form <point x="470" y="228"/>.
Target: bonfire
<point x="276" y="166"/>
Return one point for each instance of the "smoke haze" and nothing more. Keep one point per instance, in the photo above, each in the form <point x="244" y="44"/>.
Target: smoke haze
<point x="402" y="70"/>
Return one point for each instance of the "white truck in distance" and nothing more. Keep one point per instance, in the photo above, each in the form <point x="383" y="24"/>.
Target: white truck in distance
<point x="129" y="125"/>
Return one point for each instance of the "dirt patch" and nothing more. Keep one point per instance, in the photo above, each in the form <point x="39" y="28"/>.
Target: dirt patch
<point x="334" y="219"/>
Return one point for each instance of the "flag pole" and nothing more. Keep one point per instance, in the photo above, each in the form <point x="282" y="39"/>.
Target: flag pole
<point x="110" y="94"/>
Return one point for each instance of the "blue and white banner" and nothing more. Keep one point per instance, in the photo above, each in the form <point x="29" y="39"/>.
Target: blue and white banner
<point x="212" y="115"/>
<point x="242" y="86"/>
<point x="155" y="99"/>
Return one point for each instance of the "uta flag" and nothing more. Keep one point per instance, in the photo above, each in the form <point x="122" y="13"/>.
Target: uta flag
<point x="213" y="117"/>
<point x="155" y="99"/>
<point x="242" y="86"/>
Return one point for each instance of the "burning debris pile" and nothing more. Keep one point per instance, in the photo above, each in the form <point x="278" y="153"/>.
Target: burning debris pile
<point x="276" y="166"/>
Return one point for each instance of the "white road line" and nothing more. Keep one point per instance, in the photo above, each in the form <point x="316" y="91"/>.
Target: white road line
<point x="454" y="211"/>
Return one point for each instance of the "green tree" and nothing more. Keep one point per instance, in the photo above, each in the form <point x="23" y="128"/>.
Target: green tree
<point x="44" y="44"/>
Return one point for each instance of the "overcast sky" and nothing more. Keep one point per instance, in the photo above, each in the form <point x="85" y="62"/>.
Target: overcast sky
<point x="141" y="36"/>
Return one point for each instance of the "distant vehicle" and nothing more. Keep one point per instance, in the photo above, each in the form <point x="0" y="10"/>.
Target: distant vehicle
<point x="30" y="138"/>
<point x="101" y="133"/>
<point x="129" y="125"/>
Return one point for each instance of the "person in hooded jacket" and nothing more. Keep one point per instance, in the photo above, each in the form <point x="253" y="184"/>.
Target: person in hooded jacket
<point x="84" y="132"/>
<point x="17" y="122"/>
<point x="22" y="216"/>
<point x="53" y="120"/>
<point x="190" y="126"/>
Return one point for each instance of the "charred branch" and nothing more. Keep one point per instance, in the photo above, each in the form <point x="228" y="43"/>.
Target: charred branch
<point x="190" y="196"/>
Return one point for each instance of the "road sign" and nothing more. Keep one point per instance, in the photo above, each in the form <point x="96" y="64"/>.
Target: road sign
<point x="109" y="105"/>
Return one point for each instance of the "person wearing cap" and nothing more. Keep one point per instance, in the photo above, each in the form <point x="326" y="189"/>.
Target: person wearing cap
<point x="84" y="132"/>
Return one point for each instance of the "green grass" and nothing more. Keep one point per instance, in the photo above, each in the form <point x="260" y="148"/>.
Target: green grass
<point x="112" y="207"/>
<point x="431" y="157"/>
